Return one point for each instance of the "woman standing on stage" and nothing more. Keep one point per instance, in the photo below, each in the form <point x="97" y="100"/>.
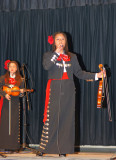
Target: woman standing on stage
<point x="10" y="140"/>
<point x="58" y="135"/>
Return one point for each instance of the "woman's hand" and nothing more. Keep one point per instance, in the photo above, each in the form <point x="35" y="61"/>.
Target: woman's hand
<point x="8" y="97"/>
<point x="59" y="49"/>
<point x="101" y="74"/>
<point x="22" y="90"/>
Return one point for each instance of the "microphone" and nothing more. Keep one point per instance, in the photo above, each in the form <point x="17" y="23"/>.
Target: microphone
<point x="61" y="45"/>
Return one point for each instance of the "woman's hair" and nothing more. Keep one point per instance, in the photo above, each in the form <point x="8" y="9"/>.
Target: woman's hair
<point x="18" y="77"/>
<point x="66" y="45"/>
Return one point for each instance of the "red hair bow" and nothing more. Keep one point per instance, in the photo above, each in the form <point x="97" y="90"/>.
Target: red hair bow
<point x="6" y="64"/>
<point x="50" y="40"/>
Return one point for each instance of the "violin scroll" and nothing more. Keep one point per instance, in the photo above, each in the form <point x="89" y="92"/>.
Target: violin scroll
<point x="101" y="67"/>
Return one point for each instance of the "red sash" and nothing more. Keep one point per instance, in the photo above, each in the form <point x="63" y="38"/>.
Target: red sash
<point x="1" y="104"/>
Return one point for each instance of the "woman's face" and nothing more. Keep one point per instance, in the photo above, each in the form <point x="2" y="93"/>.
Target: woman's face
<point x="12" y="68"/>
<point x="60" y="40"/>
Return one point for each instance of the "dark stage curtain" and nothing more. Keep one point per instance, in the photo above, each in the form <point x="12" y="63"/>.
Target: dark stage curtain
<point x="14" y="5"/>
<point x="91" y="32"/>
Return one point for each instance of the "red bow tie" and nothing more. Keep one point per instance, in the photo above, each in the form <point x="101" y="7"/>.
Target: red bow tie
<point x="12" y="81"/>
<point x="63" y="57"/>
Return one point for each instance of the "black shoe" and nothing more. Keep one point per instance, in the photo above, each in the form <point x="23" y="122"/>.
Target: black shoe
<point x="62" y="155"/>
<point x="39" y="153"/>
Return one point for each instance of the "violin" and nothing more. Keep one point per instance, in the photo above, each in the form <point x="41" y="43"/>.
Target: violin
<point x="15" y="91"/>
<point x="100" y="95"/>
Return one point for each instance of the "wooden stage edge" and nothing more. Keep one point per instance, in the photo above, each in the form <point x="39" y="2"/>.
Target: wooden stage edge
<point x="85" y="153"/>
<point x="77" y="155"/>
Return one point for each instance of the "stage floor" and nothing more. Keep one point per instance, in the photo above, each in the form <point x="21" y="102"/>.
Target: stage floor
<point x="27" y="155"/>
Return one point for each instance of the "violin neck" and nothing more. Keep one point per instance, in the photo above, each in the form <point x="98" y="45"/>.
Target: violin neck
<point x="15" y="90"/>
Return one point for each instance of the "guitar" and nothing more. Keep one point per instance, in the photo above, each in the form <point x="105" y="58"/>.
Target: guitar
<point x="15" y="91"/>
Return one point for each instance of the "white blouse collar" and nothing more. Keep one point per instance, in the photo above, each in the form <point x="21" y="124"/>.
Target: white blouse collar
<point x="12" y="76"/>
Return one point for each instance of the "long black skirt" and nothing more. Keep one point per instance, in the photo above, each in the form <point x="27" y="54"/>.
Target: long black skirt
<point x="59" y="129"/>
<point x="10" y="142"/>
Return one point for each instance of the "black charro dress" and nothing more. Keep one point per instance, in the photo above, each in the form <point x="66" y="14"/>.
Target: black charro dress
<point x="9" y="140"/>
<point x="58" y="134"/>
